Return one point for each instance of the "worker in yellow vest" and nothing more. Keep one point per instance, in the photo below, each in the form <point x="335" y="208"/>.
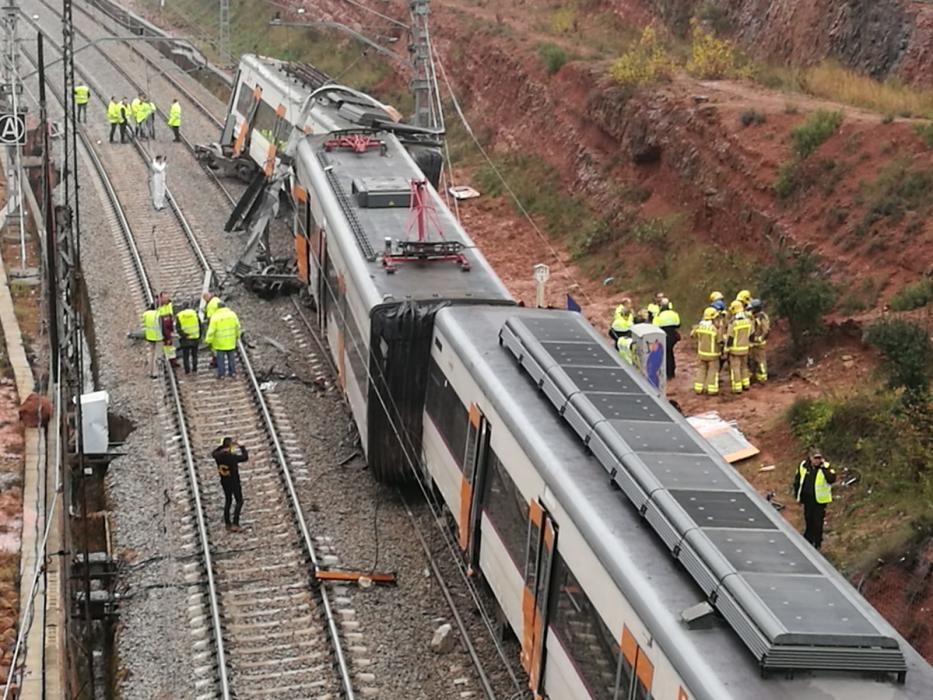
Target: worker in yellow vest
<point x="126" y="116"/>
<point x="708" y="341"/>
<point x="737" y="343"/>
<point x="152" y="332"/>
<point x="223" y="332"/>
<point x="189" y="337"/>
<point x="135" y="110"/>
<point x="654" y="308"/>
<point x="140" y="114"/>
<point x="624" y="347"/>
<point x="174" y="119"/>
<point x="761" y="327"/>
<point x="150" y="120"/>
<point x="812" y="489"/>
<point x="211" y="303"/>
<point x="114" y="115"/>
<point x="623" y="318"/>
<point x="167" y="321"/>
<point x="668" y="321"/>
<point x="745" y="297"/>
<point x="82" y="96"/>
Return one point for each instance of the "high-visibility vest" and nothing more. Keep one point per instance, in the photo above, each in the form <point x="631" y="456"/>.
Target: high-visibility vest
<point x="624" y="346"/>
<point x="822" y="489"/>
<point x="152" y="329"/>
<point x="82" y="94"/>
<point x="114" y="113"/>
<point x="740" y="331"/>
<point x="134" y="108"/>
<point x="189" y="324"/>
<point x="654" y="310"/>
<point x="223" y="330"/>
<point x="166" y="309"/>
<point x="174" y="115"/>
<point x="668" y="317"/>
<point x="211" y="307"/>
<point x="761" y="326"/>
<point x="622" y="321"/>
<point x="150" y="109"/>
<point x="707" y="337"/>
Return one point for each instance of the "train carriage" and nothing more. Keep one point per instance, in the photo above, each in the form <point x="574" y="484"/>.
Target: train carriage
<point x="591" y="589"/>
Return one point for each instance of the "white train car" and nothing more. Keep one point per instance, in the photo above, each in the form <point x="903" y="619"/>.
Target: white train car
<point x="585" y="577"/>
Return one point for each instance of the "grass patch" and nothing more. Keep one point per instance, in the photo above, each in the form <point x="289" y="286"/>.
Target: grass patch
<point x="913" y="296"/>
<point x="798" y="176"/>
<point x="860" y="298"/>
<point x="925" y="132"/>
<point x="751" y="117"/>
<point x="831" y="81"/>
<point x="814" y="132"/>
<point x="553" y="57"/>
<point x="898" y="189"/>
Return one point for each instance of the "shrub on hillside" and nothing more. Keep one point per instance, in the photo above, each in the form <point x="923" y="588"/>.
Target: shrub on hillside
<point x="925" y="132"/>
<point x="798" y="292"/>
<point x="711" y="58"/>
<point x="810" y="135"/>
<point x="645" y="63"/>
<point x="553" y="56"/>
<point x="751" y="116"/>
<point x="913" y="296"/>
<point x="908" y="355"/>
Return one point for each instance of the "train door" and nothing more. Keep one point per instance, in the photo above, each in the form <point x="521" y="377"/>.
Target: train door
<point x="475" y="468"/>
<point x="542" y="543"/>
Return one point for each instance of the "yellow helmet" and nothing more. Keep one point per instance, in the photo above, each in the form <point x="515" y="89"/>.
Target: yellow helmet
<point x="744" y="296"/>
<point x="736" y="307"/>
<point x="709" y="313"/>
<point x="715" y="296"/>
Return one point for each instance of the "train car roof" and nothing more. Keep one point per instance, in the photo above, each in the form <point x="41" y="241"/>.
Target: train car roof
<point x="360" y="193"/>
<point x="714" y="663"/>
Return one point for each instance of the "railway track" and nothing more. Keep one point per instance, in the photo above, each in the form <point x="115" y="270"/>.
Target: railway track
<point x="261" y="625"/>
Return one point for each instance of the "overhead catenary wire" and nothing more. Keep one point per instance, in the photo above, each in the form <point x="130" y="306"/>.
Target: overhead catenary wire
<point x="565" y="270"/>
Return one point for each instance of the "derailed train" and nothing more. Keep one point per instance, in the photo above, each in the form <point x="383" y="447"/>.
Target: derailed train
<point x="629" y="559"/>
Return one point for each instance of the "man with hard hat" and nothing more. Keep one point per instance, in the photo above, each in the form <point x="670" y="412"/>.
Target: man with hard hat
<point x="708" y="342"/>
<point x="744" y="296"/>
<point x="761" y="326"/>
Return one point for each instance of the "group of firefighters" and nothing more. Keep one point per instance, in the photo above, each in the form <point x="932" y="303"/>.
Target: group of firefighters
<point x="160" y="323"/>
<point x="137" y="116"/>
<point x="735" y="333"/>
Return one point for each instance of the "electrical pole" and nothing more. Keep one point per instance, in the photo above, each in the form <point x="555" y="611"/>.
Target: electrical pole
<point x="12" y="88"/>
<point x="224" y="43"/>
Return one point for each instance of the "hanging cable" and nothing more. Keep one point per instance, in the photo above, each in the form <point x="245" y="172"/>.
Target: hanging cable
<point x="565" y="270"/>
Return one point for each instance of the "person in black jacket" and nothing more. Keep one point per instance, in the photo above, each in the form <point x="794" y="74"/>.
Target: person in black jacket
<point x="228" y="458"/>
<point x="813" y="489"/>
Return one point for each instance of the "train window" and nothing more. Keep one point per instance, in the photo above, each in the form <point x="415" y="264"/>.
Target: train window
<point x="584" y="636"/>
<point x="245" y="100"/>
<point x="506" y="509"/>
<point x="447" y="411"/>
<point x="270" y="124"/>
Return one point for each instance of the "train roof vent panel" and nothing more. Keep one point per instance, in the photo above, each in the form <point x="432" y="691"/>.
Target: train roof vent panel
<point x="780" y="598"/>
<point x="382" y="192"/>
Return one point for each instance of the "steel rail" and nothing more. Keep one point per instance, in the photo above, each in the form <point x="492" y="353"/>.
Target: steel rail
<point x="129" y="78"/>
<point x="285" y="471"/>
<point x="147" y="290"/>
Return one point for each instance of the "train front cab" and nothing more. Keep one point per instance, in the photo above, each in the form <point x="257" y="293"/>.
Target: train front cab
<point x="579" y="637"/>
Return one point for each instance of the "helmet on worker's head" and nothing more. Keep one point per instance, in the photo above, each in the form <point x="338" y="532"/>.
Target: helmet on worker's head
<point x="736" y="307"/>
<point x="744" y="296"/>
<point x="715" y="296"/>
<point x="754" y="305"/>
<point x="709" y="313"/>
<point x="719" y="305"/>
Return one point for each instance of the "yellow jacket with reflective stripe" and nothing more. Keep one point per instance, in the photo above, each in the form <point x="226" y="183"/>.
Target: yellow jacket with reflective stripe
<point x="152" y="329"/>
<point x="624" y="347"/>
<point x="189" y="324"/>
<point x="174" y="115"/>
<point x="654" y="310"/>
<point x="82" y="93"/>
<point x="622" y="321"/>
<point x="738" y="335"/>
<point x="224" y="330"/>
<point x="761" y="326"/>
<point x="822" y="489"/>
<point x="165" y="309"/>
<point x="211" y="307"/>
<point x="707" y="336"/>
<point x="114" y="113"/>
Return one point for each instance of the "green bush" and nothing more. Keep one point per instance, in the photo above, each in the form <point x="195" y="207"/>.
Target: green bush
<point x="908" y="355"/>
<point x="808" y="419"/>
<point x="799" y="293"/>
<point x="815" y="131"/>
<point x="897" y="190"/>
<point x="925" y="132"/>
<point x="788" y="181"/>
<point x="913" y="296"/>
<point x="553" y="56"/>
